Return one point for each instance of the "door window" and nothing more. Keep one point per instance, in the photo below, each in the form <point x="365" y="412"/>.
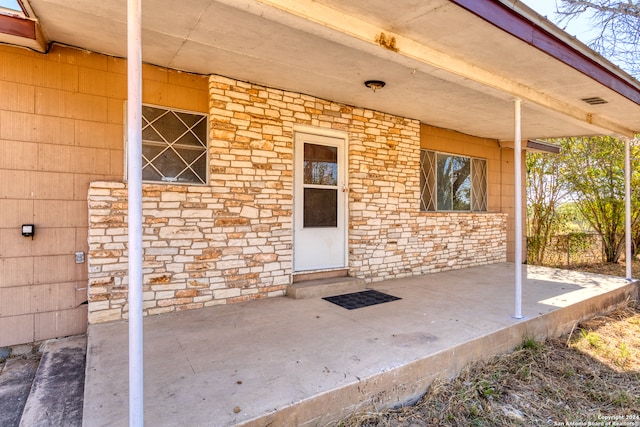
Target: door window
<point x="320" y="186"/>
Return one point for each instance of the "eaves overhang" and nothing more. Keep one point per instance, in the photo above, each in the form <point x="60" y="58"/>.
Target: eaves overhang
<point x="19" y="29"/>
<point x="455" y="64"/>
<point x="536" y="146"/>
<point x="512" y="18"/>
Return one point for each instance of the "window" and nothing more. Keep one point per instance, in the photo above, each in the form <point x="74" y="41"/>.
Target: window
<point x="174" y="146"/>
<point x="452" y="183"/>
<point x="320" y="186"/>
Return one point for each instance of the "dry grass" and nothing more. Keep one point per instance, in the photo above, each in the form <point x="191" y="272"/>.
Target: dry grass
<point x="591" y="376"/>
<point x="609" y="269"/>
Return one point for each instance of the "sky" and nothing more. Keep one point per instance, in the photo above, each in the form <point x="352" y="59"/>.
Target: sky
<point x="579" y="27"/>
<point x="10" y="4"/>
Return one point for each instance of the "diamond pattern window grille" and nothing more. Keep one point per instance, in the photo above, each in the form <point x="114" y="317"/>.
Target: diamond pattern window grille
<point x="174" y="146"/>
<point x="429" y="183"/>
<point x="478" y="185"/>
<point x="427" y="180"/>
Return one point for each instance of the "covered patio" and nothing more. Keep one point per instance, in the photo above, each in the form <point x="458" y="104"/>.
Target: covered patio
<point x="483" y="79"/>
<point x="309" y="362"/>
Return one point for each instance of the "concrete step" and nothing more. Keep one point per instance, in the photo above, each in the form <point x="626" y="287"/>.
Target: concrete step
<point x="15" y="382"/>
<point x="320" y="288"/>
<point x="58" y="387"/>
<point x="315" y="275"/>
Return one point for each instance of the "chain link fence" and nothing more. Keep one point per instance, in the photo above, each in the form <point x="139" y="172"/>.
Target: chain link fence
<point x="568" y="249"/>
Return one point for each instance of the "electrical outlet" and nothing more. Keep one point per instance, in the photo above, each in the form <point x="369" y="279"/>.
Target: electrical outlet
<point x="79" y="257"/>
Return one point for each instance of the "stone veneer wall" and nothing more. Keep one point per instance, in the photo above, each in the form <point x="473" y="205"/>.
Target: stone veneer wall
<point x="407" y="245"/>
<point x="194" y="254"/>
<point x="231" y="240"/>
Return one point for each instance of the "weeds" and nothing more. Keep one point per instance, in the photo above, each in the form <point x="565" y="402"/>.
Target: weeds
<point x="592" y="338"/>
<point x="593" y="373"/>
<point x="530" y="343"/>
<point x="614" y="340"/>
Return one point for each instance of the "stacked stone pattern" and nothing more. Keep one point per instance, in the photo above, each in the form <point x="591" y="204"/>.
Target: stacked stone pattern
<point x="232" y="240"/>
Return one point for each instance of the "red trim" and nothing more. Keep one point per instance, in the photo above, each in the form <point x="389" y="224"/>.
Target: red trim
<point x="518" y="26"/>
<point x="24" y="9"/>
<point x="17" y="26"/>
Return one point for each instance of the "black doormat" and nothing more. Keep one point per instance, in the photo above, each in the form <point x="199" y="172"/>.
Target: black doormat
<point x="361" y="299"/>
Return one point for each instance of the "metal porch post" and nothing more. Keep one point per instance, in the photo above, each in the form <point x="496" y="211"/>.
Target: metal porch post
<point x="627" y="207"/>
<point x="134" y="179"/>
<point x="517" y="164"/>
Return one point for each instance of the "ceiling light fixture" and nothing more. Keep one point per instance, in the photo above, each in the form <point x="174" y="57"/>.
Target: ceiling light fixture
<point x="374" y="85"/>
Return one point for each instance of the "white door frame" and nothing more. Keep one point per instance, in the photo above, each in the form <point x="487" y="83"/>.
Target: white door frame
<point x="343" y="212"/>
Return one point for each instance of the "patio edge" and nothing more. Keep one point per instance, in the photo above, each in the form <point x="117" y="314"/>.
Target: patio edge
<point x="406" y="384"/>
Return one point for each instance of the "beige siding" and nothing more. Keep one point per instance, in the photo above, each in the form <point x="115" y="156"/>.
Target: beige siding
<point x="61" y="127"/>
<point x="508" y="202"/>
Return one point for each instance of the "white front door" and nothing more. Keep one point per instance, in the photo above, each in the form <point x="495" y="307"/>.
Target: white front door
<point x="319" y="203"/>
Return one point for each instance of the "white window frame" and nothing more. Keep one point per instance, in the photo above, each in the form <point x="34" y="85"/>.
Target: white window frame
<point x="205" y="151"/>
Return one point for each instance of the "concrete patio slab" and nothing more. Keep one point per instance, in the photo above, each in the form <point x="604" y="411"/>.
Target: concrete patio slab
<point x="308" y="362"/>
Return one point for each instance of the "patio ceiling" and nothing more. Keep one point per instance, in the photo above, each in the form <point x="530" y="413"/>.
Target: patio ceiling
<point x="450" y="67"/>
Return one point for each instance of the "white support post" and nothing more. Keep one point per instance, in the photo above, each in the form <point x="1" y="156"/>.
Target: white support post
<point x="134" y="179"/>
<point x="627" y="207"/>
<point x="517" y="170"/>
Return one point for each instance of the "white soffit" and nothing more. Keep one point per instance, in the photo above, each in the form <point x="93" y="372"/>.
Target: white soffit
<point x="330" y="53"/>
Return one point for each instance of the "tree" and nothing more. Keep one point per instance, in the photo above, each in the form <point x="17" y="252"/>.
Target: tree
<point x="545" y="192"/>
<point x="594" y="171"/>
<point x="618" y="24"/>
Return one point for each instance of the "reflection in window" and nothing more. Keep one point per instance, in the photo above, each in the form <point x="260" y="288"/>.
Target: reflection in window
<point x="174" y="145"/>
<point x="320" y="165"/>
<point x="452" y="183"/>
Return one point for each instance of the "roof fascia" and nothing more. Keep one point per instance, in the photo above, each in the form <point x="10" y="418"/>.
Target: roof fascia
<point x="25" y="32"/>
<point x="509" y="20"/>
<point x="18" y="26"/>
